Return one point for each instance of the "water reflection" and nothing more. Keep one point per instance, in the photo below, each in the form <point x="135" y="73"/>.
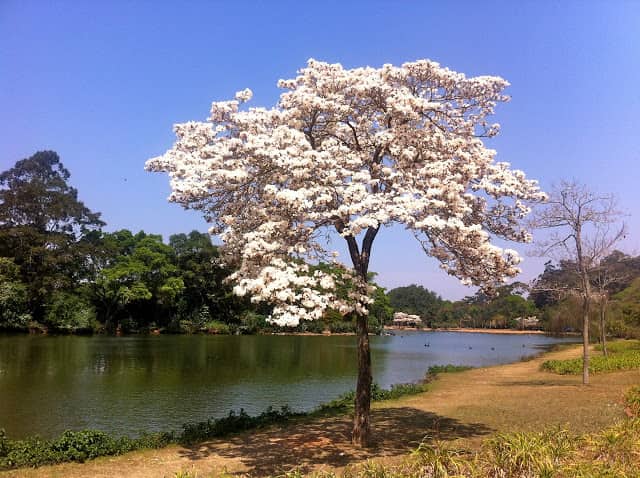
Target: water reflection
<point x="131" y="384"/>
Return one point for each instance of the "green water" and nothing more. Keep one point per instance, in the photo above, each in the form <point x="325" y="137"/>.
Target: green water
<point x="131" y="384"/>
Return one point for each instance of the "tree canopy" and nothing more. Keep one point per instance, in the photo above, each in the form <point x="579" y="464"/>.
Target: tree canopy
<point x="347" y="151"/>
<point x="41" y="224"/>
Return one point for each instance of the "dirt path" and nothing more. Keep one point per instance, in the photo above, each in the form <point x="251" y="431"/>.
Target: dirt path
<point x="465" y="407"/>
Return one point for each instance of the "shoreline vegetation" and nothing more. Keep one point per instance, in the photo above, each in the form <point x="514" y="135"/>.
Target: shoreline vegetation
<point x="60" y="272"/>
<point x="514" y="405"/>
<point x="386" y="330"/>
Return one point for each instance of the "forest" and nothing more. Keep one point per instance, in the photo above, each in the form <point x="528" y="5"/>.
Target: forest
<point x="60" y="272"/>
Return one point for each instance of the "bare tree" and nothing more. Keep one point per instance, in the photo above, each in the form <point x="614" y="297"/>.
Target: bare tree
<point x="604" y="277"/>
<point x="582" y="223"/>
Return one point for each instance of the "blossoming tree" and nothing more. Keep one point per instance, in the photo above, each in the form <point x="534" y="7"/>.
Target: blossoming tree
<point x="346" y="151"/>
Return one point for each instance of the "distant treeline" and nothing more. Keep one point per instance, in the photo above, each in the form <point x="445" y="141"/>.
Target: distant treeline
<point x="553" y="299"/>
<point x="60" y="272"/>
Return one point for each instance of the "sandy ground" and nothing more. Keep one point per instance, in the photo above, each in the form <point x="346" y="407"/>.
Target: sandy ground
<point x="462" y="407"/>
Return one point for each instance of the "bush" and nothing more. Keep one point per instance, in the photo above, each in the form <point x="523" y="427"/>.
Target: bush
<point x="345" y="401"/>
<point x="623" y="355"/>
<point x="530" y="454"/>
<point x="251" y="323"/>
<point x="70" y="313"/>
<point x="76" y="446"/>
<point x="233" y="423"/>
<point x="341" y="327"/>
<point x="217" y="327"/>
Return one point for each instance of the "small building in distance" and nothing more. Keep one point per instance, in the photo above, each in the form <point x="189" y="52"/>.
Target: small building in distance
<point x="401" y="319"/>
<point x="528" y="322"/>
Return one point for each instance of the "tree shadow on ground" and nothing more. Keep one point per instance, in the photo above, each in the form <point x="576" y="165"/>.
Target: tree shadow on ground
<point x="547" y="382"/>
<point x="309" y="444"/>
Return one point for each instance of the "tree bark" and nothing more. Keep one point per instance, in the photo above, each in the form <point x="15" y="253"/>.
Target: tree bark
<point x="585" y="340"/>
<point x="603" y="331"/>
<point x="361" y="434"/>
<point x="361" y="425"/>
<point x="586" y="299"/>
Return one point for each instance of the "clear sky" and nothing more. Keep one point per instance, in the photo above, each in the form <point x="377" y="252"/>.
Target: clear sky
<point x="102" y="83"/>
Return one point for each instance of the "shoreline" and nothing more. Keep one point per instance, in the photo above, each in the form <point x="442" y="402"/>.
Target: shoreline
<point x="472" y="330"/>
<point x="387" y="328"/>
<point x="399" y="424"/>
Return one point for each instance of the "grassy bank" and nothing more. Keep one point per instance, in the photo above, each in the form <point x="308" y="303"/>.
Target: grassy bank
<point x="457" y="418"/>
<point x="553" y="452"/>
<point x="622" y="355"/>
<point x="80" y="446"/>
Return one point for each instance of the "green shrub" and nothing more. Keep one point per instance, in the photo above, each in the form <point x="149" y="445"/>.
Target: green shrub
<point x="217" y="327"/>
<point x="76" y="446"/>
<point x="438" y="460"/>
<point x="4" y="444"/>
<point x="623" y="355"/>
<point x="251" y="323"/>
<point x="345" y="402"/>
<point x="233" y="423"/>
<point x="70" y="313"/>
<point x="341" y="327"/>
<point x="530" y="454"/>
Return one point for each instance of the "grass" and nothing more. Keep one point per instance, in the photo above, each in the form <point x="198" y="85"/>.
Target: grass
<point x="623" y="355"/>
<point x="632" y="400"/>
<point x="344" y="403"/>
<point x="554" y="452"/>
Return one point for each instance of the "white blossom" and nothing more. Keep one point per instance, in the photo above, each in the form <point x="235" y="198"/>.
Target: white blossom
<point x="352" y="150"/>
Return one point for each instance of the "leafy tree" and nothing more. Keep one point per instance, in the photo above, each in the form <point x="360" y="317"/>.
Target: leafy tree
<point x="500" y="308"/>
<point x="415" y="299"/>
<point x="41" y="222"/>
<point x="345" y="152"/>
<point x="69" y="313"/>
<point x="628" y="302"/>
<point x="14" y="307"/>
<point x="380" y="310"/>
<point x="203" y="277"/>
<point x="138" y="278"/>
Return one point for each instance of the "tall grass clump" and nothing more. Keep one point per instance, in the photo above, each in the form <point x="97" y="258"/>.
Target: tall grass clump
<point x="529" y="454"/>
<point x="632" y="400"/>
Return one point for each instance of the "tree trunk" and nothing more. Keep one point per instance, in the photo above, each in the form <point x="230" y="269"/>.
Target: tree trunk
<point x="361" y="425"/>
<point x="586" y="298"/>
<point x="585" y="340"/>
<point x="603" y="331"/>
<point x="361" y="421"/>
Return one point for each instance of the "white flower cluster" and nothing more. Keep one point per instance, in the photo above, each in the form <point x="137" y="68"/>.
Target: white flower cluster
<point x="352" y="150"/>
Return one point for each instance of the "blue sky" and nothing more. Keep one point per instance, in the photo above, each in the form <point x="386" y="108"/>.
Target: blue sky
<point x="102" y="83"/>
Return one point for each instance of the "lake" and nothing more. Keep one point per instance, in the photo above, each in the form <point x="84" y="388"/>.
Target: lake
<point x="126" y="385"/>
